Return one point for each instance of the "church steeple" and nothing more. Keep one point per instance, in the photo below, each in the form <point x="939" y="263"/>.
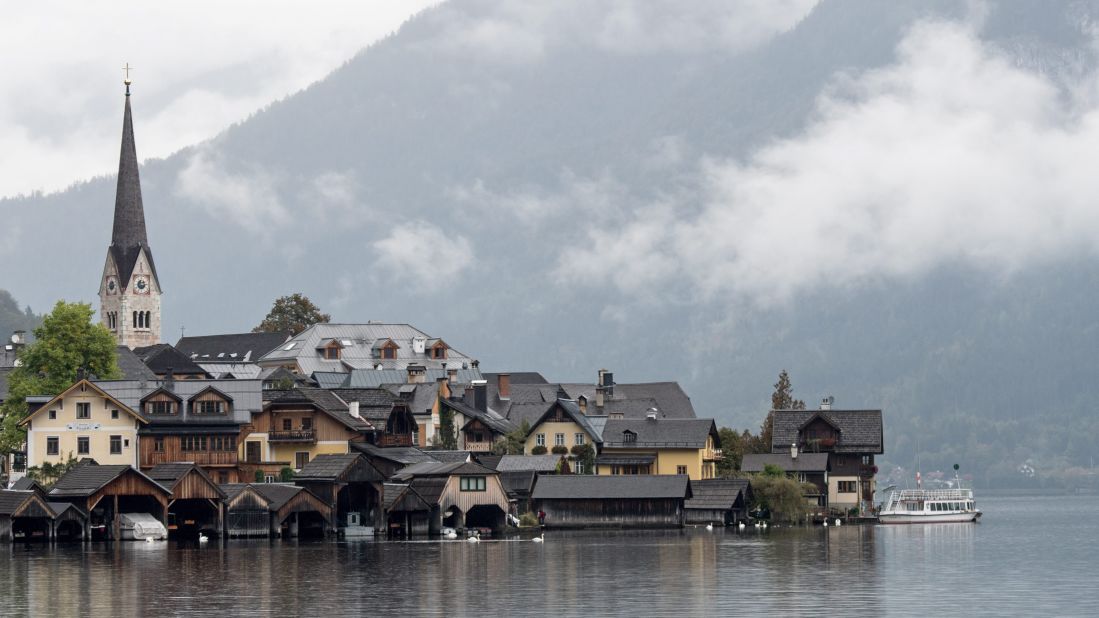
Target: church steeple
<point x="129" y="291"/>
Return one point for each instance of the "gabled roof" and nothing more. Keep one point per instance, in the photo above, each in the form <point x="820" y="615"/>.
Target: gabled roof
<point x="374" y="378"/>
<point x="92" y="385"/>
<point x="211" y="389"/>
<point x="247" y="397"/>
<point x="715" y="494"/>
<point x="277" y="494"/>
<point x="451" y="456"/>
<point x="660" y="433"/>
<point x="406" y="455"/>
<point x="335" y="467"/>
<point x="860" y="430"/>
<point x="804" y="462"/>
<point x="588" y="487"/>
<point x="161" y="357"/>
<point x="162" y="390"/>
<point x="435" y="468"/>
<point x="169" y="474"/>
<point x="26" y="483"/>
<point x="572" y="411"/>
<point x="13" y="500"/>
<point x="493" y="422"/>
<point x="518" y="483"/>
<point x="232" y="348"/>
<point x="131" y="366"/>
<point x="325" y="401"/>
<point x="86" y="479"/>
<point x="401" y="497"/>
<point x="669" y="397"/>
<point x="517" y="377"/>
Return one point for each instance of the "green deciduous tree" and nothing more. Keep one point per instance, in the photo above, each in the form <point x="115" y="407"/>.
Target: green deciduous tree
<point x="782" y="496"/>
<point x="293" y="314"/>
<point x="513" y="442"/>
<point x="66" y="343"/>
<point x="585" y="457"/>
<point x="445" y="439"/>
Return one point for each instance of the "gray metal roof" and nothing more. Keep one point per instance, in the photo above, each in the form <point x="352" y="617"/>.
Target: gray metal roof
<point x="375" y="378"/>
<point x="132" y="367"/>
<point x="860" y="431"/>
<point x="450" y="456"/>
<point x="536" y="463"/>
<point x="358" y="348"/>
<point x="247" y="396"/>
<point x="669" y="397"/>
<point x="588" y="487"/>
<point x="436" y="468"/>
<point x="406" y="455"/>
<point x="659" y="433"/>
<point x="804" y="462"/>
<point x="327" y="467"/>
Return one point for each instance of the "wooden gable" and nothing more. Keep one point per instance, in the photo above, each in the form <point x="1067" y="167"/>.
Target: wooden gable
<point x="130" y="483"/>
<point x="248" y="499"/>
<point x="34" y="506"/>
<point x="196" y="484"/>
<point x="199" y="400"/>
<point x="302" y="502"/>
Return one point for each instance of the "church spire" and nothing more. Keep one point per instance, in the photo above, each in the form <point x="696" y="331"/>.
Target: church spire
<point x="129" y="213"/>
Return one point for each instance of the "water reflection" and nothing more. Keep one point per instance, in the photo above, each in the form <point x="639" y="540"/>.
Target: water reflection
<point x="1002" y="566"/>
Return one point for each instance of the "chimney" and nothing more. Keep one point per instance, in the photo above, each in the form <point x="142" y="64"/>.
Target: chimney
<point x="793" y="451"/>
<point x="480" y="395"/>
<point x="599" y="398"/>
<point x="353" y="409"/>
<point x="826" y="403"/>
<point x="416" y="374"/>
<point x="608" y="383"/>
<point x="452" y="375"/>
<point x="503" y="385"/>
<point x="170" y="379"/>
<point x="651" y="414"/>
<point x="582" y="402"/>
<point x="443" y="387"/>
<point x="79" y="374"/>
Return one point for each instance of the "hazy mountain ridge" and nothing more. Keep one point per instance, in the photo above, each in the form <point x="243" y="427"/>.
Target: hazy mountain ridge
<point x="448" y="188"/>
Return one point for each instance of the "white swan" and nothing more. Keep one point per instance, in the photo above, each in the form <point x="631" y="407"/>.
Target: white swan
<point x="765" y="524"/>
<point x="473" y="539"/>
<point x="451" y="535"/>
<point x="709" y="526"/>
<point x="838" y="523"/>
<point x="202" y="538"/>
<point x="826" y="523"/>
<point x="741" y="525"/>
<point x="540" y="539"/>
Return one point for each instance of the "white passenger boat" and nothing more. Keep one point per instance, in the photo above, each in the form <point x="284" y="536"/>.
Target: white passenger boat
<point x="929" y="506"/>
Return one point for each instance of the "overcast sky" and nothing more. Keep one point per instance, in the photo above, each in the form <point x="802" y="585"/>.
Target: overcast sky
<point x="199" y="66"/>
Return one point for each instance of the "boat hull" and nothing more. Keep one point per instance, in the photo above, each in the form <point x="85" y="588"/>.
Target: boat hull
<point x="929" y="518"/>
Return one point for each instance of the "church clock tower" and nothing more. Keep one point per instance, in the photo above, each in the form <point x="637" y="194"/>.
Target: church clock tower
<point x="129" y="291"/>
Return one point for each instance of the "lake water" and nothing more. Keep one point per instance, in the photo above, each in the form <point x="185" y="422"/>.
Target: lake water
<point x="1029" y="556"/>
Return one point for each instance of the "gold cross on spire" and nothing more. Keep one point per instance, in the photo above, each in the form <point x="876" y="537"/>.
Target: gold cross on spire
<point x="127" y="79"/>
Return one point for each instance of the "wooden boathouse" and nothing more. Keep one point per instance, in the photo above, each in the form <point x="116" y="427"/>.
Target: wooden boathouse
<point x="275" y="509"/>
<point x="350" y="484"/>
<point x="105" y="492"/>
<point x="718" y="501"/>
<point x="462" y="495"/>
<point x="626" y="501"/>
<point x="197" y="504"/>
<point x="25" y="515"/>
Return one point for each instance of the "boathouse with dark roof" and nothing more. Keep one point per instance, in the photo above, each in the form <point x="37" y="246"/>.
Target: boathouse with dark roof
<point x="584" y="501"/>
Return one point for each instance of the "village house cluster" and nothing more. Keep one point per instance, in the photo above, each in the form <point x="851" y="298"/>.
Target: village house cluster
<point x="340" y="429"/>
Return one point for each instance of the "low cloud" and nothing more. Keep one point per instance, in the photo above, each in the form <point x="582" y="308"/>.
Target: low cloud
<point x="952" y="155"/>
<point x="423" y="255"/>
<point x="248" y="198"/>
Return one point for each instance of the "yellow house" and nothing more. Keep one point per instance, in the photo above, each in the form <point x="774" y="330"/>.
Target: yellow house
<point x="299" y="425"/>
<point x="660" y="446"/>
<point x="562" y="426"/>
<point x="83" y="422"/>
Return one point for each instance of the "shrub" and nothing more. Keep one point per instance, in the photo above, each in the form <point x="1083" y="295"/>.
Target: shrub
<point x="286" y="475"/>
<point x="560" y="449"/>
<point x="528" y="519"/>
<point x="538" y="450"/>
<point x="259" y="476"/>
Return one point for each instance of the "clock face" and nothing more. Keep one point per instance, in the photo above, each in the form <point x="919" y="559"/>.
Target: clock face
<point x="142" y="285"/>
<point x="112" y="285"/>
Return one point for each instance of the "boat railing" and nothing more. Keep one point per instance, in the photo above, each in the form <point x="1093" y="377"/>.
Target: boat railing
<point x="936" y="494"/>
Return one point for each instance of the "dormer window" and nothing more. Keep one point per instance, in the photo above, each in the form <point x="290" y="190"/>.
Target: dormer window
<point x="438" y="351"/>
<point x="332" y="351"/>
<point x="211" y="402"/>
<point x="209" y="406"/>
<point x="629" y="437"/>
<point x="386" y="350"/>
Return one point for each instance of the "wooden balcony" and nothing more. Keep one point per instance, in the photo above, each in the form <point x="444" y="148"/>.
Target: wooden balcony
<point x="297" y="435"/>
<point x="478" y="447"/>
<point x="202" y="458"/>
<point x="385" y="440"/>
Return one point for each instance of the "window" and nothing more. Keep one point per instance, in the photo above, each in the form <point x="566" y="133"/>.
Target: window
<point x="83" y="410"/>
<point x="847" y="487"/>
<point x="307" y="423"/>
<point x="540" y="439"/>
<point x="251" y="452"/>
<point x="53" y="445"/>
<point x="116" y="445"/>
<point x="287" y="424"/>
<point x="83" y="445"/>
<point x="681" y="470"/>
<point x="192" y="443"/>
<point x="300" y="459"/>
<point x="158" y="445"/>
<point x="114" y="415"/>
<point x="332" y="352"/>
<point x="559" y="439"/>
<point x="223" y="478"/>
<point x="53" y="415"/>
<point x="867" y="460"/>
<point x="208" y="407"/>
<point x="161" y="407"/>
<point x="579" y="439"/>
<point x="270" y="478"/>
<point x="472" y="483"/>
<point x="629" y="436"/>
<point x="438" y="352"/>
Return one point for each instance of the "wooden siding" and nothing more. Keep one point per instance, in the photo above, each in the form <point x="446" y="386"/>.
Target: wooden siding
<point x="247" y="500"/>
<point x="194" y="485"/>
<point x="494" y="493"/>
<point x="129" y="484"/>
<point x="303" y="502"/>
<point x="173" y="452"/>
<point x="613" y="513"/>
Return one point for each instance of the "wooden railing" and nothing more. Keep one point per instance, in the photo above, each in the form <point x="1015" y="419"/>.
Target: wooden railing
<point x="203" y="458"/>
<point x="298" y="435"/>
<point x="479" y="447"/>
<point x="395" y="440"/>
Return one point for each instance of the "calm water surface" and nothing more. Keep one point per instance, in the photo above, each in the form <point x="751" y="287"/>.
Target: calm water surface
<point x="1030" y="556"/>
